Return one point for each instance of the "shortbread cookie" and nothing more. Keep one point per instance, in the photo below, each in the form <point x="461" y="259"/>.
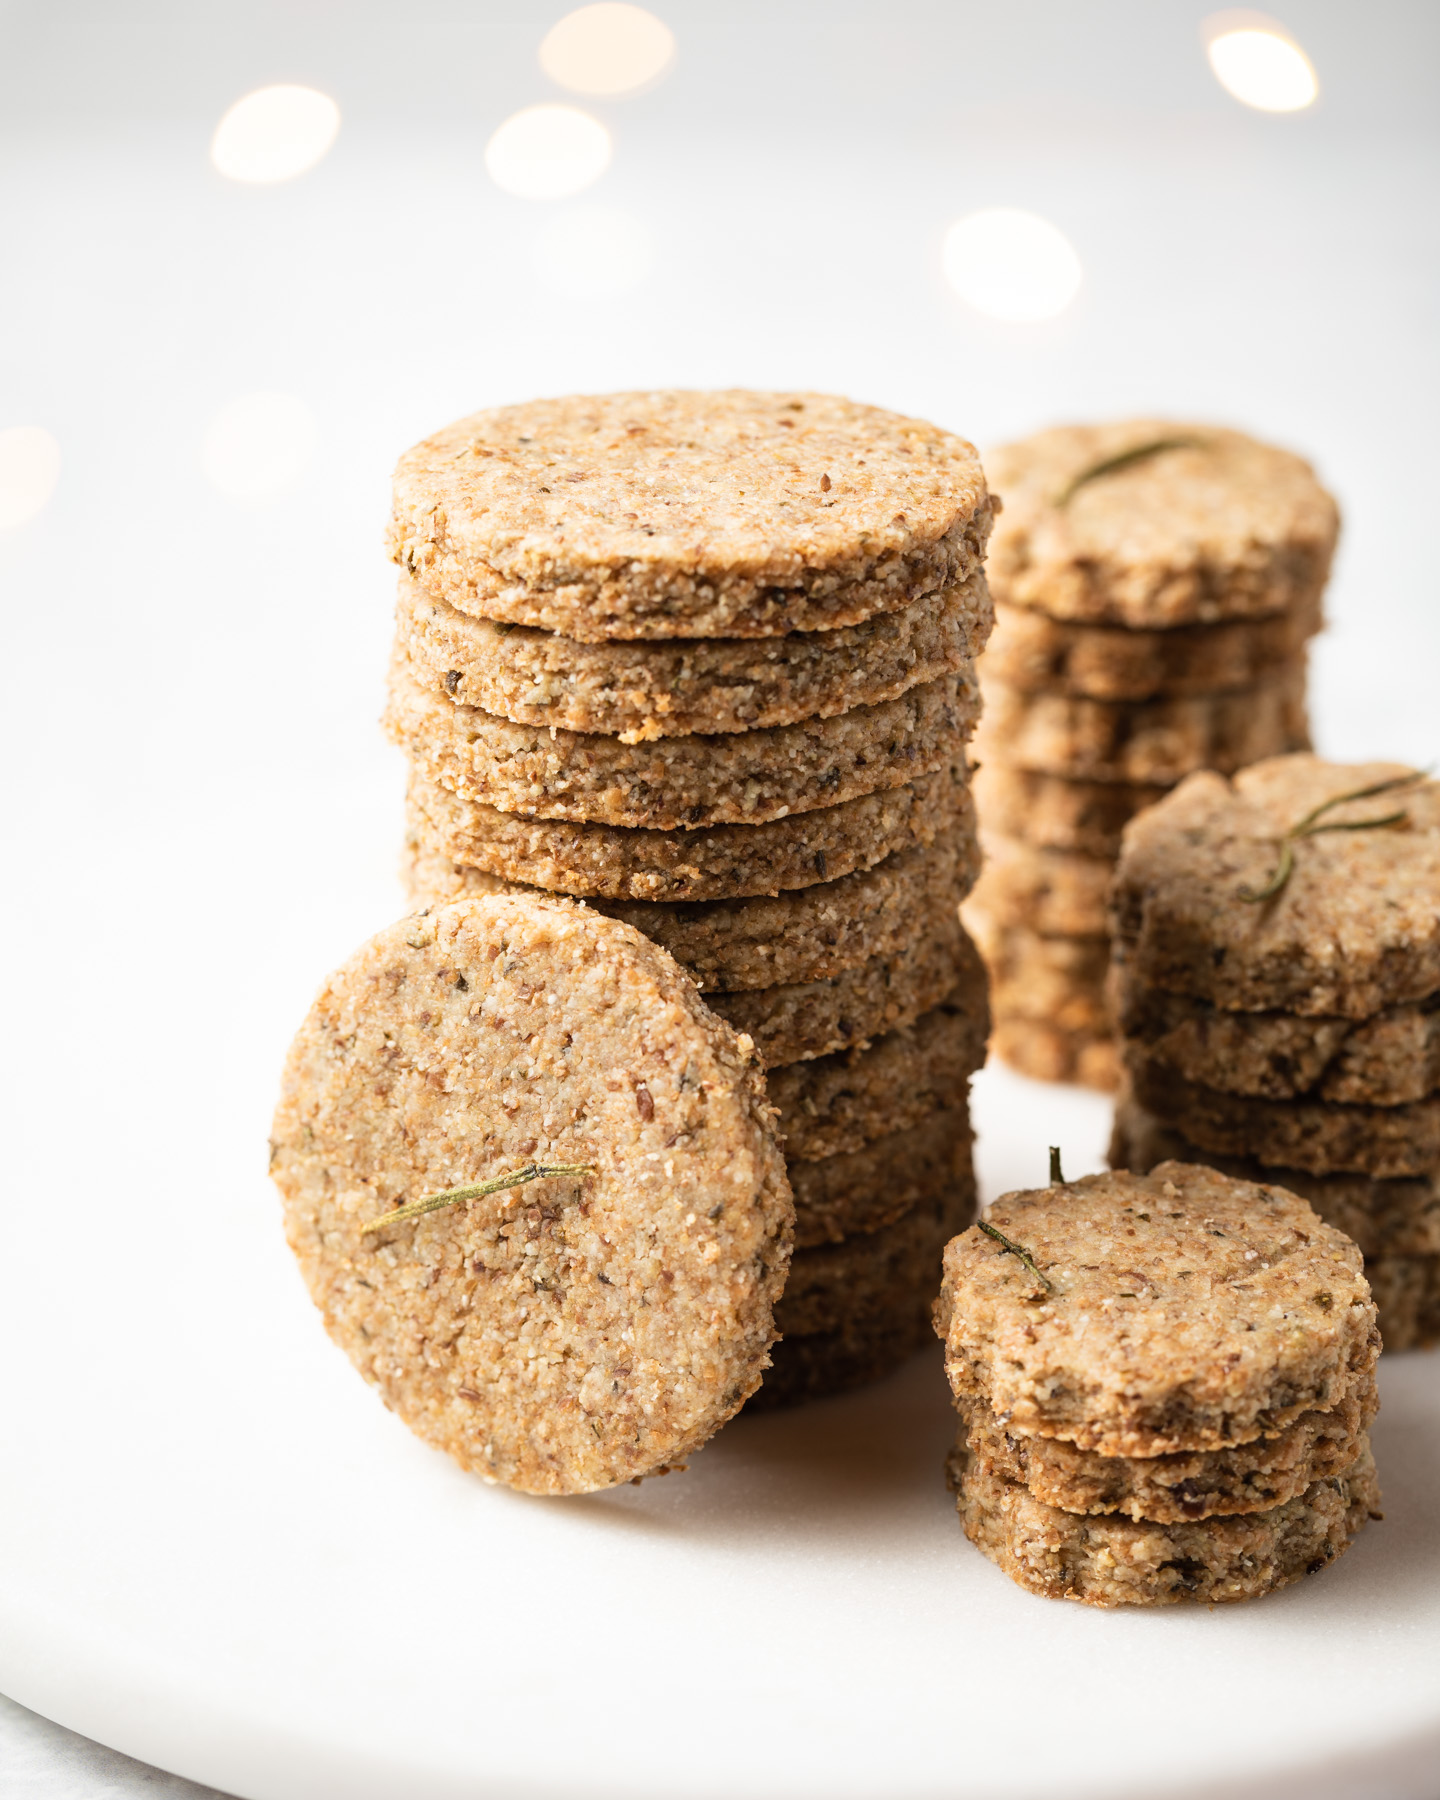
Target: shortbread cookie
<point x="1152" y="742"/>
<point x="664" y="515"/>
<point x="1040" y="655"/>
<point x="838" y="1104"/>
<point x="1054" y="812"/>
<point x="641" y="690"/>
<point x="732" y="946"/>
<point x="818" y="1018"/>
<point x="1047" y="1052"/>
<point x="1407" y="1292"/>
<point x="1395" y="1218"/>
<point x="823" y="1363"/>
<point x="585" y="1328"/>
<point x="1054" y="893"/>
<point x="675" y="784"/>
<point x="1296" y="1134"/>
<point x="1178" y="1310"/>
<point x="1354" y="930"/>
<point x="1114" y="1561"/>
<point x="1194" y="1484"/>
<point x="863" y="1190"/>
<point x="719" y="862"/>
<point x="1057" y="981"/>
<point x="1390" y="1060"/>
<point x="1214" y="526"/>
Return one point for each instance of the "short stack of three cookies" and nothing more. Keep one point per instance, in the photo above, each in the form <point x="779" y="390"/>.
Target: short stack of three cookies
<point x="707" y="662"/>
<point x="1156" y="585"/>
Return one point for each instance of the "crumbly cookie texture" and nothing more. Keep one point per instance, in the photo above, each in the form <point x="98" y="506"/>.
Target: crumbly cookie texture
<point x="680" y="514"/>
<point x="1150" y="742"/>
<point x="1216" y="527"/>
<point x="1188" y="1484"/>
<point x="1041" y="655"/>
<point x="1178" y="1310"/>
<point x="838" y="1104"/>
<point x="1056" y="812"/>
<point x="1297" y="1134"/>
<point x="1115" y="1561"/>
<point x="1407" y="1293"/>
<point x="652" y="689"/>
<point x="1356" y="927"/>
<point x="1392" y="1059"/>
<point x="1397" y="1218"/>
<point x="1055" y="893"/>
<point x="861" y="1191"/>
<point x="731" y="946"/>
<point x="675" y="784"/>
<point x="718" y="862"/>
<point x="835" y="1362"/>
<point x="581" y="1330"/>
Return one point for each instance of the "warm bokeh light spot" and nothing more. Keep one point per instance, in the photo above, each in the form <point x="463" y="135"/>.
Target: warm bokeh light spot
<point x="259" y="445"/>
<point x="1011" y="265"/>
<point x="608" y="49"/>
<point x="593" y="254"/>
<point x="1257" y="61"/>
<point x="275" y="134"/>
<point x="29" y="470"/>
<point x="546" y="152"/>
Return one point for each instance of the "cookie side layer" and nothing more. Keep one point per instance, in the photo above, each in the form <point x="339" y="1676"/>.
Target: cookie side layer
<point x="1055" y="812"/>
<point x="1054" y="893"/>
<point x="863" y="1190"/>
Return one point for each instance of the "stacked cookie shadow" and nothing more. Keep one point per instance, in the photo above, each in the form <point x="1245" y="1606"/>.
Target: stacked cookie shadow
<point x="1155" y="586"/>
<point x="706" y="661"/>
<point x="1166" y="1385"/>
<point x="1277" y="985"/>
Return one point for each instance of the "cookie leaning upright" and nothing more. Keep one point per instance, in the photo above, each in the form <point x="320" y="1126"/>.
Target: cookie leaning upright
<point x="596" y="1322"/>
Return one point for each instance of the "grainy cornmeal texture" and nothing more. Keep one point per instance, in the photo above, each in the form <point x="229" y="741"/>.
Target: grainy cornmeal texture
<point x="1057" y="812"/>
<point x="1356" y="928"/>
<point x="576" y="1332"/>
<point x="678" y="783"/>
<point x="1224" y="528"/>
<point x="652" y="689"/>
<point x="1113" y="1561"/>
<point x="863" y="1190"/>
<point x="717" y="862"/>
<point x="675" y="514"/>
<point x="1185" y="1311"/>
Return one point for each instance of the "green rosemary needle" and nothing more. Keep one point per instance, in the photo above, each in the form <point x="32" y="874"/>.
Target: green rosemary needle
<point x="1015" y="1250"/>
<point x="1314" y="823"/>
<point x="1123" y="459"/>
<point x="453" y="1196"/>
<point x="1057" y="1179"/>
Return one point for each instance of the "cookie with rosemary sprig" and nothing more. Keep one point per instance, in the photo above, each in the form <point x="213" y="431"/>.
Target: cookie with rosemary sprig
<point x="535" y="1189"/>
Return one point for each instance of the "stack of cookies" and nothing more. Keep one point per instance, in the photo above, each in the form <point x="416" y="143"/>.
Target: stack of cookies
<point x="1155" y="587"/>
<point x="1166" y="1384"/>
<point x="707" y="662"/>
<point x="1277" y="984"/>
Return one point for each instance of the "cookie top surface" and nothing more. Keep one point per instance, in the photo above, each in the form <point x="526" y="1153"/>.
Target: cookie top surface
<point x="1354" y="929"/>
<point x="1213" y="526"/>
<point x="1179" y="1310"/>
<point x="684" y="513"/>
<point x="578" y="1330"/>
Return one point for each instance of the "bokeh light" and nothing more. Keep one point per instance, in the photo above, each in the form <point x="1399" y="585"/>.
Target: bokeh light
<point x="593" y="254"/>
<point x="1011" y="265"/>
<point x="1257" y="62"/>
<point x="29" y="470"/>
<point x="258" y="445"/>
<point x="546" y="152"/>
<point x="275" y="134"/>
<point x="608" y="49"/>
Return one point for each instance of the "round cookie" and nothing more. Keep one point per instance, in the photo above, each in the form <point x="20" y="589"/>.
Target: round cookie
<point x="718" y="862"/>
<point x="681" y="514"/>
<point x="1115" y="1561"/>
<point x="1055" y="812"/>
<point x="1054" y="893"/>
<point x="1047" y="995"/>
<point x="1179" y="1310"/>
<point x="1214" y="526"/>
<point x="1151" y="743"/>
<point x="1354" y="930"/>
<point x="1047" y="1052"/>
<point x="641" y="690"/>
<point x="764" y="940"/>
<point x="674" y="784"/>
<point x="583" y="1329"/>
<point x="823" y="1363"/>
<point x="862" y="1190"/>
<point x="1407" y="1294"/>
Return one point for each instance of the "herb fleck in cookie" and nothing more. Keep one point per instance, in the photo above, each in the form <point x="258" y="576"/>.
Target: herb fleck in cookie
<point x="600" y="1320"/>
<point x="1140" y="1315"/>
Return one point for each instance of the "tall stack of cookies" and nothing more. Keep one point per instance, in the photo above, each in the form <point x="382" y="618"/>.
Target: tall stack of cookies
<point x="1155" y="588"/>
<point x="1277" y="984"/>
<point x="706" y="661"/>
<point x="1166" y="1384"/>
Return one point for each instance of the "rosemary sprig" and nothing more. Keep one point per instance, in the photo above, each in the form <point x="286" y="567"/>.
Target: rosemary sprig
<point x="1015" y="1250"/>
<point x="1123" y="459"/>
<point x="453" y="1196"/>
<point x="1311" y="826"/>
<point x="1057" y="1179"/>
